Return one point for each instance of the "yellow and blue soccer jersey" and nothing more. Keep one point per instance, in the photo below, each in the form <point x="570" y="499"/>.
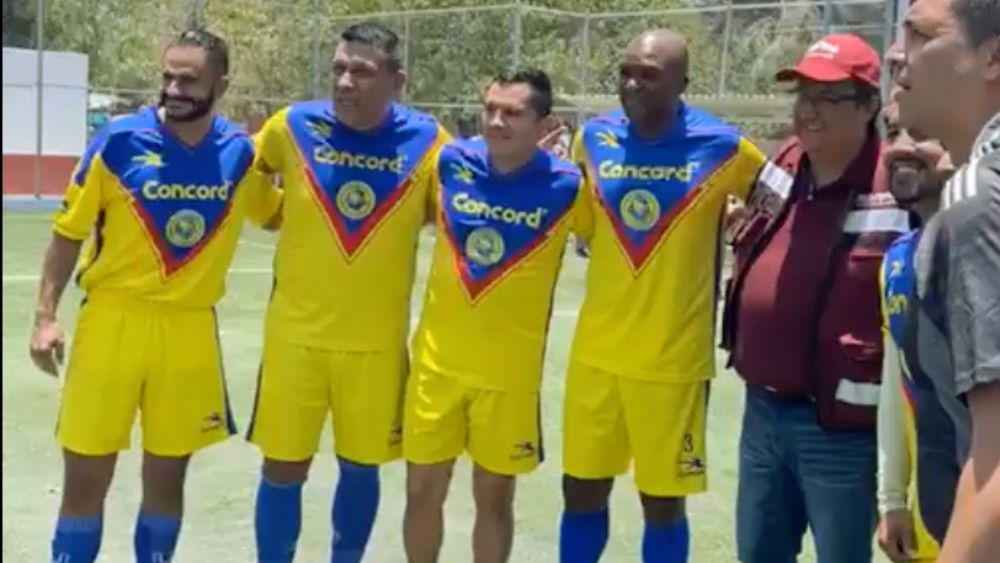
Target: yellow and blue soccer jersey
<point x="498" y="253"/>
<point x="165" y="220"/>
<point x="930" y="431"/>
<point x="652" y="282"/>
<point x="354" y="205"/>
<point x="165" y="217"/>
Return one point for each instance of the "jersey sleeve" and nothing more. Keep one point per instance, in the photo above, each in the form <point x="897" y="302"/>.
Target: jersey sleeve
<point x="84" y="196"/>
<point x="893" y="445"/>
<point x="428" y="175"/>
<point x="264" y="197"/>
<point x="583" y="211"/>
<point x="972" y="299"/>
<point x="577" y="153"/>
<point x="749" y="162"/>
<point x="271" y="143"/>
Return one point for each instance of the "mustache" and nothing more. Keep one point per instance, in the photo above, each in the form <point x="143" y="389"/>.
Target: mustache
<point x="164" y="98"/>
<point x="188" y="99"/>
<point x="199" y="107"/>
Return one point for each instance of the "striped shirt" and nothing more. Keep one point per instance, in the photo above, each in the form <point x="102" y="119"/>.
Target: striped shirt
<point x="958" y="284"/>
<point x="963" y="184"/>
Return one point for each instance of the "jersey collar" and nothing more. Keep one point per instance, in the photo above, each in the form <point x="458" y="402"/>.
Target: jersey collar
<point x="989" y="138"/>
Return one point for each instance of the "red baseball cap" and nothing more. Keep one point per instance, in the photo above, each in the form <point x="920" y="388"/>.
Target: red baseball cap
<point x="836" y="57"/>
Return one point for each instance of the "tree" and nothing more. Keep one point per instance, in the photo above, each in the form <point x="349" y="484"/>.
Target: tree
<point x="18" y="23"/>
<point x="281" y="50"/>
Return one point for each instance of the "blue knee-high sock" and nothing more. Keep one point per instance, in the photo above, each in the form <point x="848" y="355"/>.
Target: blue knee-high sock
<point x="156" y="537"/>
<point x="583" y="536"/>
<point x="77" y="538"/>
<point x="666" y="543"/>
<point x="354" y="506"/>
<point x="278" y="520"/>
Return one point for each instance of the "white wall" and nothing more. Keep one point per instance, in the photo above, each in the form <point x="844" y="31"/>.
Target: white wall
<point x="64" y="103"/>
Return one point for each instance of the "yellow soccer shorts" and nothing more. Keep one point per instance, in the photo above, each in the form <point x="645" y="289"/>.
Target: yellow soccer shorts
<point x="609" y="420"/>
<point x="299" y="386"/>
<point x="164" y="363"/>
<point x="444" y="417"/>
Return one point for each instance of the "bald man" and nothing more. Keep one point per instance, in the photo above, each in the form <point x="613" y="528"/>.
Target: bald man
<point x="637" y="387"/>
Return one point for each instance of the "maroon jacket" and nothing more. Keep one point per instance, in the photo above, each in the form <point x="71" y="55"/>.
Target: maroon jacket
<point x="819" y="336"/>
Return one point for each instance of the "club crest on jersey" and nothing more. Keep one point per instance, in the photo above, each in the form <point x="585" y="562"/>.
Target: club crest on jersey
<point x="185" y="228"/>
<point x="640" y="210"/>
<point x="181" y="195"/>
<point x="492" y="225"/>
<point x="484" y="246"/>
<point x="358" y="180"/>
<point x="645" y="188"/>
<point x="356" y="200"/>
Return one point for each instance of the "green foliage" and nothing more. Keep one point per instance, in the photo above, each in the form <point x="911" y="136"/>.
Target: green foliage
<point x="281" y="50"/>
<point x="18" y="23"/>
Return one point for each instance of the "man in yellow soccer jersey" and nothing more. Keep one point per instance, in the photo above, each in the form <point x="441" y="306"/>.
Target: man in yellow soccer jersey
<point x="161" y="194"/>
<point x="637" y="387"/>
<point x="356" y="175"/>
<point x="504" y="211"/>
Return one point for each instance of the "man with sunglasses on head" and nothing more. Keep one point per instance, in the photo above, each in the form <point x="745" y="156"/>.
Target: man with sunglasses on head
<point x="802" y="317"/>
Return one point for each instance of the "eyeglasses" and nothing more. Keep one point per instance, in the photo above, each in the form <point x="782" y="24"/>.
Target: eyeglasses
<point x="825" y="99"/>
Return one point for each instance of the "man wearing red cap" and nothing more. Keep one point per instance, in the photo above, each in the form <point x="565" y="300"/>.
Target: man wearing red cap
<point x="802" y="320"/>
<point x="950" y="88"/>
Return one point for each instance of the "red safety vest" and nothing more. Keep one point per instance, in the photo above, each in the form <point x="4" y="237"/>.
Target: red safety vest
<point x="845" y="384"/>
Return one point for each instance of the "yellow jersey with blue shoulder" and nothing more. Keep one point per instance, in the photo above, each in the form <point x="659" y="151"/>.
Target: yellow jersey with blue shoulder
<point x="479" y="348"/>
<point x="499" y="249"/>
<point x="336" y="327"/>
<point x="644" y="347"/>
<point x="165" y="217"/>
<point x="655" y="255"/>
<point x="162" y="220"/>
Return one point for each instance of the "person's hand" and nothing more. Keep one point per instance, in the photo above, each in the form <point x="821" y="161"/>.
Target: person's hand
<point x="736" y="214"/>
<point x="47" y="345"/>
<point x="896" y="537"/>
<point x="552" y="142"/>
<point x="917" y="169"/>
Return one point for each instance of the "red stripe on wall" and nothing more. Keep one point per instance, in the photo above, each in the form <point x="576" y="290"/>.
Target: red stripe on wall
<point x="19" y="174"/>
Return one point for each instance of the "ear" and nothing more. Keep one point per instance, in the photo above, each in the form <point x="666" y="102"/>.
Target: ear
<point x="400" y="81"/>
<point x="223" y="86"/>
<point x="991" y="52"/>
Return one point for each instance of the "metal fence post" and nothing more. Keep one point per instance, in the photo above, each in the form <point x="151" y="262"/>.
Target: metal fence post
<point x="888" y="26"/>
<point x="516" y="36"/>
<point x="314" y="87"/>
<point x="726" y="39"/>
<point x="39" y="93"/>
<point x="585" y="57"/>
<point x="196" y="17"/>
<point x="406" y="53"/>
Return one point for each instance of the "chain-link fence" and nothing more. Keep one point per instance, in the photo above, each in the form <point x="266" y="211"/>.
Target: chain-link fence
<point x="281" y="50"/>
